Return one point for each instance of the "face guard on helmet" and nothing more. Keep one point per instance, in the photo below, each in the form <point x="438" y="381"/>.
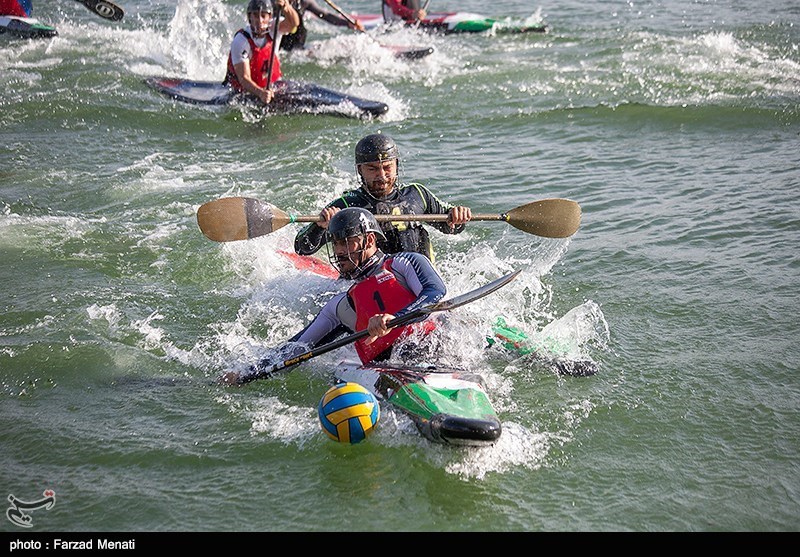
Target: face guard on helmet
<point x="376" y="150"/>
<point x="255" y="9"/>
<point x="347" y="237"/>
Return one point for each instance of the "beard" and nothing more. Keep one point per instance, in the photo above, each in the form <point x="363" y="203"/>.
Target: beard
<point x="380" y="189"/>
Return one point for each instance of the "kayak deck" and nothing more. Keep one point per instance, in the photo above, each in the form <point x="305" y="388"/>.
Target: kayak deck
<point x="447" y="405"/>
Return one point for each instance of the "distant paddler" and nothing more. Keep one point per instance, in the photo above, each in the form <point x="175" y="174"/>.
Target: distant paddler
<point x="253" y="64"/>
<point x="297" y="38"/>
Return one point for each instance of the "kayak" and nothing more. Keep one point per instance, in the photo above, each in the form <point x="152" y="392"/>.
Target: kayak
<point x="32" y="28"/>
<point x="309" y="263"/>
<point x="26" y="27"/>
<point x="547" y="351"/>
<point x="462" y="22"/>
<point x="447" y="405"/>
<point x="402" y="52"/>
<point x="290" y="97"/>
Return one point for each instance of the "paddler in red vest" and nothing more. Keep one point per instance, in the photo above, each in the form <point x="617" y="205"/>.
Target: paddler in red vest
<point x="409" y="11"/>
<point x="252" y="46"/>
<point x="386" y="287"/>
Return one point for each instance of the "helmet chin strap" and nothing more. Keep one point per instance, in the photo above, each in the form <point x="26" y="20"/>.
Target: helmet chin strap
<point x="365" y="267"/>
<point x="359" y="269"/>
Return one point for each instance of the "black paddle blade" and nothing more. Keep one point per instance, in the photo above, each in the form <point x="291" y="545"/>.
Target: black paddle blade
<point x="104" y="8"/>
<point x="472" y="295"/>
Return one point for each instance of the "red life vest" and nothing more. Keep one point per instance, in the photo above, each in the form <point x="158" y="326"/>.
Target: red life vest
<point x="381" y="293"/>
<point x="259" y="63"/>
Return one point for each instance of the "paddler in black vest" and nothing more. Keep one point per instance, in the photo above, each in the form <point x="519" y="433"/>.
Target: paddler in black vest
<point x="377" y="164"/>
<point x="386" y="287"/>
<point x="251" y="48"/>
<point x="297" y="39"/>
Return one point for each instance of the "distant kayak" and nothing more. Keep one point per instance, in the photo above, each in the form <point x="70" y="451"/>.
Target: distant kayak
<point x="32" y="28"/>
<point x="463" y="22"/>
<point x="402" y="52"/>
<point x="290" y="97"/>
<point x="25" y="28"/>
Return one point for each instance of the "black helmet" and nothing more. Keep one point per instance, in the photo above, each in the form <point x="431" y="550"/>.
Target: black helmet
<point x="376" y="147"/>
<point x="256" y="6"/>
<point x="353" y="221"/>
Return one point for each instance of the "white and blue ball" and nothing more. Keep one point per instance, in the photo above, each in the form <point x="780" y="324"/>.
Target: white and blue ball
<point x="348" y="412"/>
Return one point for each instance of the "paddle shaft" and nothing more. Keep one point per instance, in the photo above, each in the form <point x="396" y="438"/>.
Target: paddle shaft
<point x="276" y="10"/>
<point x="341" y="12"/>
<point x="403" y="218"/>
<point x="445" y="305"/>
<point x="240" y="218"/>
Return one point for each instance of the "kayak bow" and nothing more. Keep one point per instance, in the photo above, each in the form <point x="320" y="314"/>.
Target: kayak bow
<point x="447" y="405"/>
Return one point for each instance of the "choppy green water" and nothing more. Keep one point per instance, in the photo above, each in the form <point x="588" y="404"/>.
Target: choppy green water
<point x="676" y="127"/>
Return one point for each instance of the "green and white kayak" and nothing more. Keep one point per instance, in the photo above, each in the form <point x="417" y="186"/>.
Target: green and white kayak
<point x="26" y="27"/>
<point x="462" y="22"/>
<point x="447" y="405"/>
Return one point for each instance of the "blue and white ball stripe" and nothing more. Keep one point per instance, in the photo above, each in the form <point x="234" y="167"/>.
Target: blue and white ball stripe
<point x="348" y="413"/>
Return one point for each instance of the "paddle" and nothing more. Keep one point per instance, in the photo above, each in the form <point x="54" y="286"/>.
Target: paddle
<point x="445" y="305"/>
<point x="104" y="8"/>
<point x="276" y="11"/>
<point x="241" y="218"/>
<point x="411" y="54"/>
<point x="342" y="13"/>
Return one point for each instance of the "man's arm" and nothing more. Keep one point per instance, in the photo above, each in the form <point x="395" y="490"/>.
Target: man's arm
<point x="333" y="19"/>
<point x="311" y="238"/>
<point x="412" y="12"/>
<point x="291" y="19"/>
<point x="459" y="215"/>
<point x="417" y="273"/>
<point x="325" y="328"/>
<point x="419" y="276"/>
